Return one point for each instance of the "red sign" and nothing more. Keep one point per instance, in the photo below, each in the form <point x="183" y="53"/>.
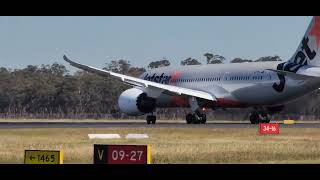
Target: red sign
<point x="127" y="154"/>
<point x="268" y="128"/>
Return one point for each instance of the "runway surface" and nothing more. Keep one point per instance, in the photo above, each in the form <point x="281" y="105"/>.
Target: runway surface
<point x="12" y="125"/>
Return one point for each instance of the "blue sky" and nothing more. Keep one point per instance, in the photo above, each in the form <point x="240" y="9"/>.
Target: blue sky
<point x="97" y="40"/>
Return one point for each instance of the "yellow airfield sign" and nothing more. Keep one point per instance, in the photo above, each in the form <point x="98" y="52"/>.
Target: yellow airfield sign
<point x="43" y="157"/>
<point x="288" y="122"/>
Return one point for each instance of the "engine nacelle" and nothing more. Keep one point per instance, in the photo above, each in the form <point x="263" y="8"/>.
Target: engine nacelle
<point x="136" y="102"/>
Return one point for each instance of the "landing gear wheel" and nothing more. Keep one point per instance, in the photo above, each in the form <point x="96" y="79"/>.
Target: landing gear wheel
<point x="203" y="118"/>
<point x="151" y="119"/>
<point x="195" y="119"/>
<point x="254" y="118"/>
<point x="189" y="118"/>
<point x="264" y="118"/>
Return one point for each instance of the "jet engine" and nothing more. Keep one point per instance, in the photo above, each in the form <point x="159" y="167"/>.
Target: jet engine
<point x="136" y="102"/>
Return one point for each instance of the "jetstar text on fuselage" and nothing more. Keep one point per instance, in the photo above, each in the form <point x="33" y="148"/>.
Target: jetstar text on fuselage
<point x="164" y="79"/>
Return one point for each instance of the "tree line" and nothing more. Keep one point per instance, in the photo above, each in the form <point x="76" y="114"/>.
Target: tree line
<point x="51" y="91"/>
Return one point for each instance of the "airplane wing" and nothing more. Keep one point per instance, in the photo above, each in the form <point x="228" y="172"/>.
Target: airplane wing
<point x="144" y="83"/>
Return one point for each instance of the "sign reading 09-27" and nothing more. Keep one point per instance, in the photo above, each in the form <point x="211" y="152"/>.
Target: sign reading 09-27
<point x="121" y="154"/>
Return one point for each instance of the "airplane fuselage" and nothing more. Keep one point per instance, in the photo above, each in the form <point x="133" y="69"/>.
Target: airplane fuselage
<point x="234" y="85"/>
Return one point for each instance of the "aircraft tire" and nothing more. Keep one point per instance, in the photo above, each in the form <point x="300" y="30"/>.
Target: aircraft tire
<point x="203" y="118"/>
<point x="254" y="118"/>
<point x="196" y="119"/>
<point x="266" y="118"/>
<point x="151" y="119"/>
<point x="189" y="118"/>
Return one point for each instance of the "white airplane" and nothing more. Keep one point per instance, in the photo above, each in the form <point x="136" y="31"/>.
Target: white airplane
<point x="264" y="86"/>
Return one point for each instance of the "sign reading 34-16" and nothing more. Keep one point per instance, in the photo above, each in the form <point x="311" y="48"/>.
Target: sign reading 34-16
<point x="269" y="128"/>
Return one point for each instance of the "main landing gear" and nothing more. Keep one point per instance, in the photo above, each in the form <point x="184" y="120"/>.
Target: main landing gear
<point x="151" y="119"/>
<point x="196" y="118"/>
<point x="259" y="117"/>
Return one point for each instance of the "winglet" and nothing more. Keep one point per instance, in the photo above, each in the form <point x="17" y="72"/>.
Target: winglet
<point x="67" y="59"/>
<point x="86" y="67"/>
<point x="72" y="63"/>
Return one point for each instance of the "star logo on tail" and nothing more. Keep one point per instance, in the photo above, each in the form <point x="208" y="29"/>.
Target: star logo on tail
<point x="315" y="30"/>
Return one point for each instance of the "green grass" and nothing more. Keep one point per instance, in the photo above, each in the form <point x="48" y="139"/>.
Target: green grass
<point x="171" y="145"/>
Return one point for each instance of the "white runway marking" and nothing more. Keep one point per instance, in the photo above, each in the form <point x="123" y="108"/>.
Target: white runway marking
<point x="137" y="136"/>
<point x="104" y="136"/>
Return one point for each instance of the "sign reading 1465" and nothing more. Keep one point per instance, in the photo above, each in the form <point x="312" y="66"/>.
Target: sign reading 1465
<point x="43" y="157"/>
